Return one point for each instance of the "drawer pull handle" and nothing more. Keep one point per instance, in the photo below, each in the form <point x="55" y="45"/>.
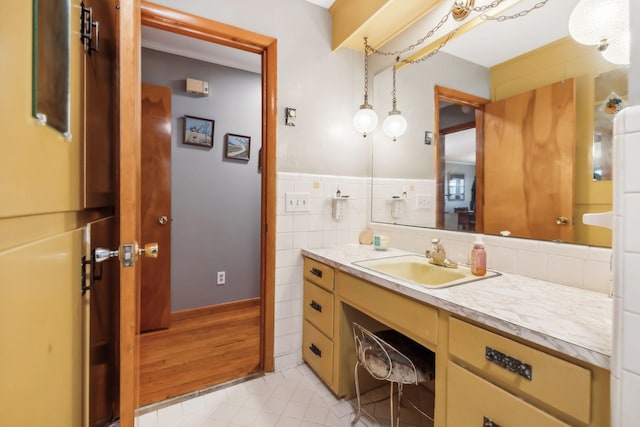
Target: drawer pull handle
<point x="488" y="423"/>
<point x="315" y="350"/>
<point x="317" y="307"/>
<point x="316" y="272"/>
<point x="509" y="363"/>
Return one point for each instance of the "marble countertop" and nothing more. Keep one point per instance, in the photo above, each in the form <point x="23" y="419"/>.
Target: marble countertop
<point x="573" y="321"/>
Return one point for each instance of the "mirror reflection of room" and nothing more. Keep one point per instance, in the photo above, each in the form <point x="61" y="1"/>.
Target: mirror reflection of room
<point x="528" y="63"/>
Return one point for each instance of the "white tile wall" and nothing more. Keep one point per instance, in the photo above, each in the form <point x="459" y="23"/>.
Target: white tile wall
<point x="384" y="189"/>
<point x="626" y="350"/>
<point x="313" y="229"/>
<point x="581" y="266"/>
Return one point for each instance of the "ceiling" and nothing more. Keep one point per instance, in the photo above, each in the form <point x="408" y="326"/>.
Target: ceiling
<point x="494" y="42"/>
<point x="488" y="44"/>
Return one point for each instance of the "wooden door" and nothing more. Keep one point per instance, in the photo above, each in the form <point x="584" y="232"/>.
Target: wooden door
<point x="99" y="107"/>
<point x="128" y="199"/>
<point x="155" y="293"/>
<point x="529" y="163"/>
<point x="102" y="327"/>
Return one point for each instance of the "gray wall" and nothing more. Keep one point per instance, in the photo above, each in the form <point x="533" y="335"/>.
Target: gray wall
<point x="215" y="202"/>
<point x="409" y="157"/>
<point x="325" y="87"/>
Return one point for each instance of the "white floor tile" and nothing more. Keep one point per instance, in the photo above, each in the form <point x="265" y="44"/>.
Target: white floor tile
<point x="294" y="397"/>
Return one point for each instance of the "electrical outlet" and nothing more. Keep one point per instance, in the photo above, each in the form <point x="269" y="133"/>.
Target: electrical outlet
<point x="296" y="202"/>
<point x="338" y="209"/>
<point x="424" y="202"/>
<point x="221" y="277"/>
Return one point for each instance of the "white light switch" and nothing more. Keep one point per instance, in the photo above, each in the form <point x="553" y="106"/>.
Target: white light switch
<point x="424" y="202"/>
<point x="296" y="202"/>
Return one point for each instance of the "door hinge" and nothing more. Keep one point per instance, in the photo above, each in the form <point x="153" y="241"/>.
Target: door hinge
<point x="87" y="24"/>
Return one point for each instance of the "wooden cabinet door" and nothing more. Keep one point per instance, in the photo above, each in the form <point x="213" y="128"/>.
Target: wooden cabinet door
<point x="155" y="298"/>
<point x="103" y="383"/>
<point x="530" y="144"/>
<point x="99" y="108"/>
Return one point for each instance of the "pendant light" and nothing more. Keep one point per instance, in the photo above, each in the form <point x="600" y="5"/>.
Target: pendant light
<point x="365" y="119"/>
<point x="394" y="125"/>
<point x="604" y="23"/>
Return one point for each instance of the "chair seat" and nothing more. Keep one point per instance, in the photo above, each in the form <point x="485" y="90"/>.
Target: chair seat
<point x="377" y="362"/>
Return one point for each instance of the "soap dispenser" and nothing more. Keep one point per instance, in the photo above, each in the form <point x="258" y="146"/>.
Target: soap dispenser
<point x="478" y="258"/>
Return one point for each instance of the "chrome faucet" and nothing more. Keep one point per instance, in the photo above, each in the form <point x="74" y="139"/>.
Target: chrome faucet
<point x="438" y="255"/>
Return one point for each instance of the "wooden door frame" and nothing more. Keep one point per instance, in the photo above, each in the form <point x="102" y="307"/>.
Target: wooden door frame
<point x="442" y="93"/>
<point x="132" y="14"/>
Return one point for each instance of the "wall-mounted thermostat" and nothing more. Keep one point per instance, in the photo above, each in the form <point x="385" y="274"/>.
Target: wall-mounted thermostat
<point x="197" y="87"/>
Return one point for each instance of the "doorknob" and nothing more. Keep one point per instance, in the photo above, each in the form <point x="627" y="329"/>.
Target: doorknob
<point x="163" y="220"/>
<point x="150" y="250"/>
<point x="562" y="220"/>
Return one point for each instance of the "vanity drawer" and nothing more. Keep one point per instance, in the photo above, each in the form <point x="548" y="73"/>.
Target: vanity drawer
<point x="404" y="314"/>
<point x="471" y="401"/>
<point x="554" y="381"/>
<point x="317" y="351"/>
<point x="318" y="273"/>
<point x="318" y="308"/>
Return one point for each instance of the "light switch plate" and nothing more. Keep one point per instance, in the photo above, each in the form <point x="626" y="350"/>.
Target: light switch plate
<point x="424" y="202"/>
<point x="297" y="202"/>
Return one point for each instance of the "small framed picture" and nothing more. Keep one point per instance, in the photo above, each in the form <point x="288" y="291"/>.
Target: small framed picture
<point x="198" y="131"/>
<point x="237" y="147"/>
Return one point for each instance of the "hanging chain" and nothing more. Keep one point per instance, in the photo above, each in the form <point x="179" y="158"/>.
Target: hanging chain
<point x="520" y="14"/>
<point x="366" y="74"/>
<point x="417" y="43"/>
<point x="479" y="9"/>
<point x="393" y="91"/>
<point x="482" y="9"/>
<point x="434" y="51"/>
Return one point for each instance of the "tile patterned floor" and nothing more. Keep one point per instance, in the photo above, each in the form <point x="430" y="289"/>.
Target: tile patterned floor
<point x="293" y="397"/>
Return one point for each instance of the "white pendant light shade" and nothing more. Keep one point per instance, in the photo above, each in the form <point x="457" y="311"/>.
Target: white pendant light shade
<point x="365" y="120"/>
<point x="593" y="22"/>
<point x="619" y="50"/>
<point x="394" y="125"/>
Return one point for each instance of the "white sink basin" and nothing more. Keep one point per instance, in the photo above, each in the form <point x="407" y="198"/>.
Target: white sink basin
<point x="417" y="269"/>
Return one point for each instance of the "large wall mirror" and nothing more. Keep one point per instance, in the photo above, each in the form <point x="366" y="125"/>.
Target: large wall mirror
<point x="51" y="93"/>
<point x="515" y="108"/>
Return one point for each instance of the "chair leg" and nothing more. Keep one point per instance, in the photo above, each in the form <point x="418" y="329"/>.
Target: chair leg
<point x="391" y="401"/>
<point x="400" y="386"/>
<point x="355" y="420"/>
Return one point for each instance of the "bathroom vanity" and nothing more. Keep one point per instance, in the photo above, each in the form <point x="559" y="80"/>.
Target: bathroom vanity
<point x="510" y="351"/>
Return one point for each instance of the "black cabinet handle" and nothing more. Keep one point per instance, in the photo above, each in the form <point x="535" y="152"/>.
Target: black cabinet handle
<point x="315" y="350"/>
<point x="509" y="363"/>
<point x="317" y="307"/>
<point x="488" y="423"/>
<point x="316" y="272"/>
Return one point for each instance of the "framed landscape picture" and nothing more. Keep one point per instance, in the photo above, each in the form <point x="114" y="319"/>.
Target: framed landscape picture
<point x="198" y="131"/>
<point x="237" y="147"/>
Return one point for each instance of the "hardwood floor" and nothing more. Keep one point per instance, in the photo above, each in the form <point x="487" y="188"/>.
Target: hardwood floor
<point x="202" y="348"/>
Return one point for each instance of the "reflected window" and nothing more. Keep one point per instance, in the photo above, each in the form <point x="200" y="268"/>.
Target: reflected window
<point x="455" y="186"/>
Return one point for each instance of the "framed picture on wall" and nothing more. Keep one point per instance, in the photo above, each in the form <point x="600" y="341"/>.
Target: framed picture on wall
<point x="237" y="147"/>
<point x="198" y="131"/>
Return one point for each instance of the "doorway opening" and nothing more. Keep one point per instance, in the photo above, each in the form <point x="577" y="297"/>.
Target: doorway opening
<point x="240" y="326"/>
<point x="459" y="153"/>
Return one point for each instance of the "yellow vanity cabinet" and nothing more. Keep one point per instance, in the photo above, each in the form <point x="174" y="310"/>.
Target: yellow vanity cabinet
<point x="412" y="318"/>
<point x="539" y="385"/>
<point x="317" y="329"/>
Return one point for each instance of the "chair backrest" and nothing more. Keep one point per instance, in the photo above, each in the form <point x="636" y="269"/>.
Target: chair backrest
<point x="379" y="357"/>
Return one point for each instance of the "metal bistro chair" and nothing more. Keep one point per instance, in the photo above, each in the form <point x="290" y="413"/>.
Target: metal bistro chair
<point x="390" y="356"/>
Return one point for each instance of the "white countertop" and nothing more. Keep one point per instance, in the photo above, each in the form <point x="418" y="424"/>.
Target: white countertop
<point x="573" y="321"/>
